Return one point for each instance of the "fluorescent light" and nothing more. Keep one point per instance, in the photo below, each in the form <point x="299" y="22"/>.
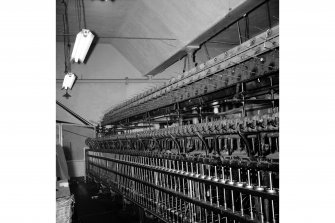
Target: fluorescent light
<point x="83" y="42"/>
<point x="69" y="81"/>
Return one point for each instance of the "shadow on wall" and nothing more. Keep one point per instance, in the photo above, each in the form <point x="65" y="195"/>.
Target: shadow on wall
<point x="92" y="47"/>
<point x="74" y="148"/>
<point x="68" y="151"/>
<point x="76" y="167"/>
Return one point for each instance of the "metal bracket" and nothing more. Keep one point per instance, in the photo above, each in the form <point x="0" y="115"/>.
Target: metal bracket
<point x="247" y="144"/>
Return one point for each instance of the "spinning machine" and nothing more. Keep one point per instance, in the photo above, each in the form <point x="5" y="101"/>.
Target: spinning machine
<point x="204" y="147"/>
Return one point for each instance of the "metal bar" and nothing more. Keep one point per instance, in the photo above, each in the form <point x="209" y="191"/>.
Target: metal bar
<point x="223" y="42"/>
<point x="222" y="25"/>
<point x="246" y="33"/>
<point x="123" y="37"/>
<point x="61" y="134"/>
<point x="216" y="209"/>
<point x="75" y="114"/>
<point x="206" y="52"/>
<point x="115" y="189"/>
<point x="243" y="59"/>
<point x="117" y="80"/>
<point x="239" y="31"/>
<point x="268" y="167"/>
<point x="268" y="14"/>
<point x="184" y="68"/>
<point x="200" y="180"/>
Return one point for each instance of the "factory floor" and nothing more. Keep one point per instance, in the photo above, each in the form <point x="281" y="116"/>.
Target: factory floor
<point x="99" y="209"/>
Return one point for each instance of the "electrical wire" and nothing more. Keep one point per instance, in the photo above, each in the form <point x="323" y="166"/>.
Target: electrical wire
<point x="126" y="37"/>
<point x="80" y="16"/>
<point x="67" y="44"/>
<point x="168" y="43"/>
<point x="84" y="16"/>
<point x="184" y="68"/>
<point x="77" y="9"/>
<point x="65" y="48"/>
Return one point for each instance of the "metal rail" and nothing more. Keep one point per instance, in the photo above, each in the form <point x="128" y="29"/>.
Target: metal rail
<point x="222" y="68"/>
<point x="75" y="115"/>
<point x="214" y="193"/>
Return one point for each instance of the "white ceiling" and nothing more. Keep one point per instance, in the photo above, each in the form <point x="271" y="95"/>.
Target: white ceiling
<point x="182" y="20"/>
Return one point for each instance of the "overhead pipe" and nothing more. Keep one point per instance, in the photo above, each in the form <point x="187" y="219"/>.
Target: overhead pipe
<point x="123" y="37"/>
<point x="117" y="80"/>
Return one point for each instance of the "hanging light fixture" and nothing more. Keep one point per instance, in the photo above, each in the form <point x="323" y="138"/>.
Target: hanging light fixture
<point x="81" y="46"/>
<point x="69" y="80"/>
<point x="84" y="38"/>
<point x="69" y="77"/>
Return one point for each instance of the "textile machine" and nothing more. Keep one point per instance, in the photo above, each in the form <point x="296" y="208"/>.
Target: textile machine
<point x="204" y="147"/>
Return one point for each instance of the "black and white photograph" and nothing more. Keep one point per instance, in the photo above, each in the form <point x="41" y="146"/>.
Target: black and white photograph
<point x="167" y="111"/>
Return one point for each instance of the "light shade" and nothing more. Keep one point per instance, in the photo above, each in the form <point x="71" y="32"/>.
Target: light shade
<point x="69" y="80"/>
<point x="83" y="42"/>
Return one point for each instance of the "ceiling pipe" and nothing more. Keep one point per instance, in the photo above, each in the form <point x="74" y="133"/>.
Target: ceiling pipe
<point x="118" y="80"/>
<point x="123" y="37"/>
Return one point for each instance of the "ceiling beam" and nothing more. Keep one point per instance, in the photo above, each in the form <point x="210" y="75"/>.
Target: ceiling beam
<point x="84" y="121"/>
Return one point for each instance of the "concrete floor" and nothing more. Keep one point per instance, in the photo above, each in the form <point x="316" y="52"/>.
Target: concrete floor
<point x="101" y="210"/>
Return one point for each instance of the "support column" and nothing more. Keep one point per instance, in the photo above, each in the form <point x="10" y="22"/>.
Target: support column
<point x="190" y="51"/>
